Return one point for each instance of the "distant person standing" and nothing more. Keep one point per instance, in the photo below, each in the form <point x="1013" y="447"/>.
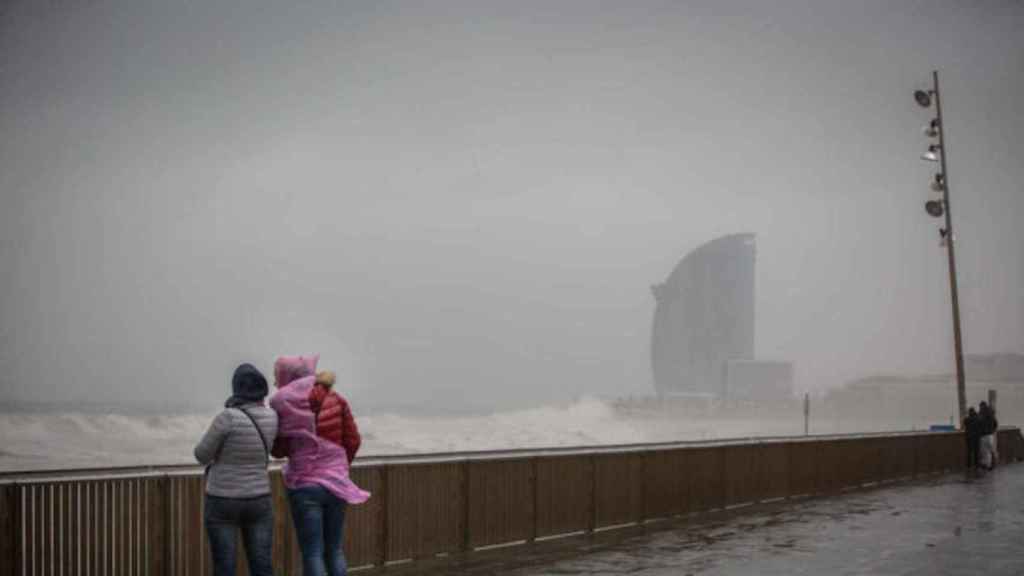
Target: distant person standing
<point x="989" y="427"/>
<point x="972" y="436"/>
<point x="236" y="449"/>
<point x="319" y="437"/>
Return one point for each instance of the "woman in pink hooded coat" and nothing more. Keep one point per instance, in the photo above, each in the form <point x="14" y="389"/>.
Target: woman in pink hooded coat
<point x="317" y="472"/>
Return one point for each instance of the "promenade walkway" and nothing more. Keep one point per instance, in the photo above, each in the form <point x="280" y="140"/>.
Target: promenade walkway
<point x="948" y="525"/>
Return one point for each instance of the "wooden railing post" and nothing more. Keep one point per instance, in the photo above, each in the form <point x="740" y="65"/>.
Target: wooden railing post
<point x="382" y="529"/>
<point x="533" y="497"/>
<point x="592" y="513"/>
<point x="464" y="544"/>
<point x="163" y="526"/>
<point x="10" y="530"/>
<point x="643" y="487"/>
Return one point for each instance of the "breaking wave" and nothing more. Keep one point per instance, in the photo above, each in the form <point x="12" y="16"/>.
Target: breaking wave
<point x="53" y="440"/>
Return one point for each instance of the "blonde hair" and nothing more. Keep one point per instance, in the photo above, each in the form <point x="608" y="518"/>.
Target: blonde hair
<point x="325" y="378"/>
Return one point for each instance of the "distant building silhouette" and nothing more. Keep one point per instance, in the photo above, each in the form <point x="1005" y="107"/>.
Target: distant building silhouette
<point x="702" y="340"/>
<point x="704" y="317"/>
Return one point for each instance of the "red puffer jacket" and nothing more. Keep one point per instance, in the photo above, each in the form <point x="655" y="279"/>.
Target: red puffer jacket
<point x="334" y="421"/>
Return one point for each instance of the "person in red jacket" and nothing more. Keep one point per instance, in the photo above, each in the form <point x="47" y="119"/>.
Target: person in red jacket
<point x="334" y="421"/>
<point x="318" y="435"/>
<point x="333" y="417"/>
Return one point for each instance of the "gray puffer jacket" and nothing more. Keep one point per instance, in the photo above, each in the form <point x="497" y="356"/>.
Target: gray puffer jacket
<point x="239" y="459"/>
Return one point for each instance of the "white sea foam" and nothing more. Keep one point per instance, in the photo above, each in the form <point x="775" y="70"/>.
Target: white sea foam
<point x="42" y="440"/>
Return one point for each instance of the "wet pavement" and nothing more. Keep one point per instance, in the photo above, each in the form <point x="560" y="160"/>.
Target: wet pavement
<point x="948" y="525"/>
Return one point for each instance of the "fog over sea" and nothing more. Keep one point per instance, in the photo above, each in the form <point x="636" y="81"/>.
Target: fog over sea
<point x="463" y="207"/>
<point x="45" y="439"/>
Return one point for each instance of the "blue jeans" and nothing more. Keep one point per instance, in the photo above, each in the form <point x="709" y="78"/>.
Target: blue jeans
<point x="319" y="518"/>
<point x="255" y="517"/>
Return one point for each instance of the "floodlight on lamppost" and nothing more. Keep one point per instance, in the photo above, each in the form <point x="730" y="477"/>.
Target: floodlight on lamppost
<point x="936" y="152"/>
<point x="934" y="208"/>
<point x="932" y="154"/>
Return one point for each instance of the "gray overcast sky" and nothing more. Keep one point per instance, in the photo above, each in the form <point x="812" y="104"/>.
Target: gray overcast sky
<point x="466" y="201"/>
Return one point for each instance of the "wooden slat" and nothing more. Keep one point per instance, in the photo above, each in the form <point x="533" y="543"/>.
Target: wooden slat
<point x="564" y="494"/>
<point x="775" y="471"/>
<point x="139" y="540"/>
<point x="90" y="523"/>
<point x="852" y="463"/>
<point x="383" y="528"/>
<point x="53" y="521"/>
<point x="84" y="541"/>
<point x="920" y="455"/>
<point x="134" y="526"/>
<point x="96" y="527"/>
<point x="284" y="534"/>
<point x="875" y="459"/>
<point x="830" y="456"/>
<point x="906" y="456"/>
<point x="110" y="524"/>
<point x="99" y="527"/>
<point x="191" y="554"/>
<point x="46" y="525"/>
<point x="742" y="472"/>
<point x="954" y="452"/>
<point x="114" y="508"/>
<point x="900" y="459"/>
<point x="888" y="459"/>
<point x="500" y="500"/>
<point x="619" y="484"/>
<point x="8" y="530"/>
<point x="420" y="518"/>
<point x="123" y="513"/>
<point x="174" y="528"/>
<point x="803" y="473"/>
<point x="362" y="521"/>
<point x="37" y="532"/>
<point x="53" y="518"/>
<point x="665" y="483"/>
<point x="70" y="532"/>
<point x="704" y="475"/>
<point x="182" y="540"/>
<point x="178" y="529"/>
<point x="65" y="550"/>
<point x="46" y="544"/>
<point x="153" y="527"/>
<point x="200" y="552"/>
<point x="934" y="452"/>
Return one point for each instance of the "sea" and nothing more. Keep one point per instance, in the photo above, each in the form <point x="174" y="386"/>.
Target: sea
<point x="44" y="439"/>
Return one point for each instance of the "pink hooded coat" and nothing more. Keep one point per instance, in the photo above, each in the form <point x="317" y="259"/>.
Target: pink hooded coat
<point x="311" y="459"/>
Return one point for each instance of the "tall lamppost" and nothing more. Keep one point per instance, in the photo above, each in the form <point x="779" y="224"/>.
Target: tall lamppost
<point x="937" y="152"/>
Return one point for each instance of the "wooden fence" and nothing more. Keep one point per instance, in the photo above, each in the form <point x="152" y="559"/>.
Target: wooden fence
<point x="149" y="521"/>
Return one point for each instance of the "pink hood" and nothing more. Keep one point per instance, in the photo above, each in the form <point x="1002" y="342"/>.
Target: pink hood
<point x="311" y="459"/>
<point x="288" y="369"/>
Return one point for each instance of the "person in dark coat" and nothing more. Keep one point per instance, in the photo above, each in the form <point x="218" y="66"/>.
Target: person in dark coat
<point x="972" y="436"/>
<point x="989" y="427"/>
<point x="238" y="495"/>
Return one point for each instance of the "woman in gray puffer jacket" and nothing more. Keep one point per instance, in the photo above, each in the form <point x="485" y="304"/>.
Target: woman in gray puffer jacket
<point x="236" y="451"/>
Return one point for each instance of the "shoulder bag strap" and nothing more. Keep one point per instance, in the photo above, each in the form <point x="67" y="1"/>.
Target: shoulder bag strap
<point x="266" y="449"/>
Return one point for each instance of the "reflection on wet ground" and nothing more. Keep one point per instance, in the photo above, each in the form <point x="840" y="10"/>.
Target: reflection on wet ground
<point x="950" y="525"/>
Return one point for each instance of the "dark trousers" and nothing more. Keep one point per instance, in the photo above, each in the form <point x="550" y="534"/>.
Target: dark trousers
<point x="224" y="517"/>
<point x="319" y="518"/>
<point x="973" y="447"/>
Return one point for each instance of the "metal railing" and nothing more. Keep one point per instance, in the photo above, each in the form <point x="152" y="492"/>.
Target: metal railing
<point x="148" y="520"/>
